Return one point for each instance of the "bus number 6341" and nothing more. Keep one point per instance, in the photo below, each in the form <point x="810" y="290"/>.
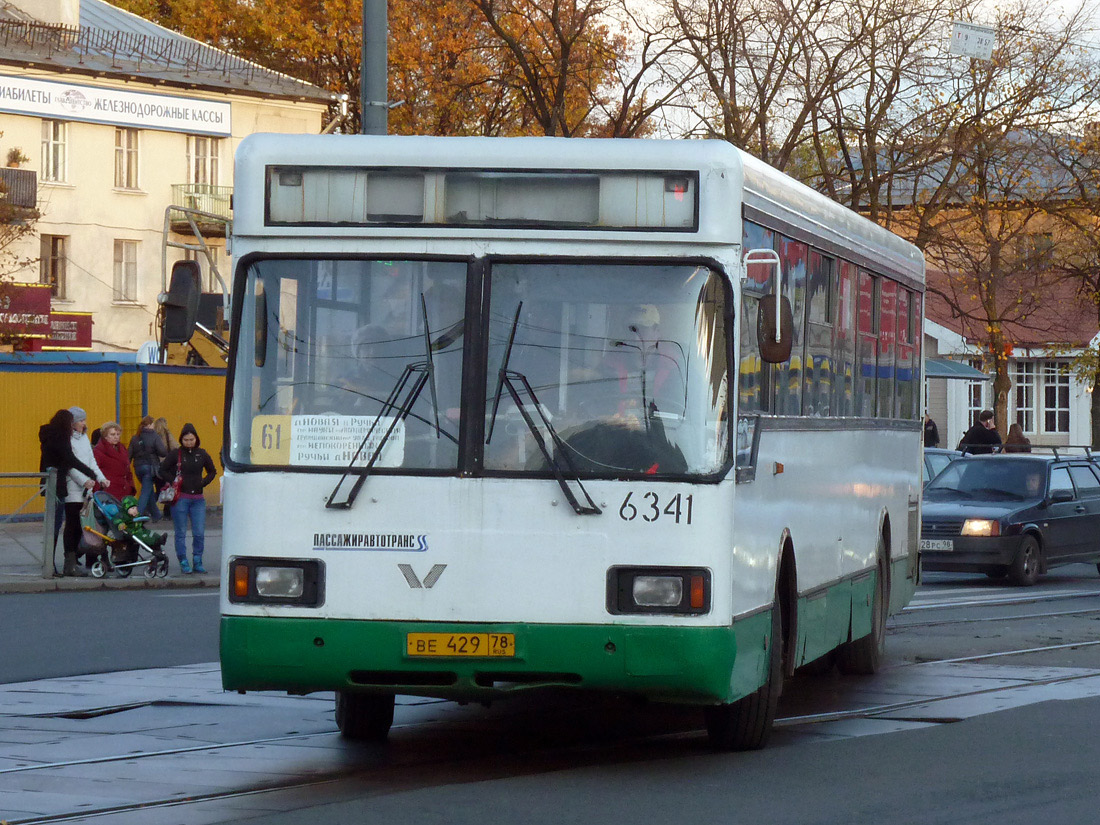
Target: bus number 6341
<point x="649" y="507"/>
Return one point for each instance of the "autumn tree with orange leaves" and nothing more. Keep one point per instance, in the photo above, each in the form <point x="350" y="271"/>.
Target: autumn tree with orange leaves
<point x="457" y="67"/>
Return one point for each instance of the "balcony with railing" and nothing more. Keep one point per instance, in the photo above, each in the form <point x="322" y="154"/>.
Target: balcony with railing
<point x="215" y="203"/>
<point x="18" y="192"/>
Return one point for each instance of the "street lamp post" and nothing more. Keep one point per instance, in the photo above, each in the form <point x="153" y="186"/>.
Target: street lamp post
<point x="373" y="85"/>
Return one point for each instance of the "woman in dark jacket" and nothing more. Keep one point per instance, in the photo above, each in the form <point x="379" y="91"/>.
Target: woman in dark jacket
<point x="55" y="439"/>
<point x="147" y="450"/>
<point x="196" y="470"/>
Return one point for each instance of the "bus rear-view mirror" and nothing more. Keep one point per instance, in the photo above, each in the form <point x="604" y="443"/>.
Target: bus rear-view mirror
<point x="774" y="349"/>
<point x="180" y="304"/>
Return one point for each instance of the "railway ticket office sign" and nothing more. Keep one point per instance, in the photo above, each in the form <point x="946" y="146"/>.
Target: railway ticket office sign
<point x="117" y="107"/>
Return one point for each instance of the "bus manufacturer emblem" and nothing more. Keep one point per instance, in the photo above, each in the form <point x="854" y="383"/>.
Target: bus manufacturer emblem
<point x="429" y="580"/>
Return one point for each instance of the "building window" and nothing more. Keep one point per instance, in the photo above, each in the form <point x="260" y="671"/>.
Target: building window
<point x="54" y="154"/>
<point x="126" y="270"/>
<point x="202" y="159"/>
<point x="975" y="392"/>
<point x="126" y="158"/>
<point x="52" y="258"/>
<point x="1023" y="390"/>
<point x="1055" y="397"/>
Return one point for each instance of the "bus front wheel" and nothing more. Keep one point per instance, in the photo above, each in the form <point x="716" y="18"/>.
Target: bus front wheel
<point x="744" y="725"/>
<point x="364" y="717"/>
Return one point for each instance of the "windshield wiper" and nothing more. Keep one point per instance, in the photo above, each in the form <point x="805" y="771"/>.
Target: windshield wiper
<point x="507" y="378"/>
<point x="400" y="400"/>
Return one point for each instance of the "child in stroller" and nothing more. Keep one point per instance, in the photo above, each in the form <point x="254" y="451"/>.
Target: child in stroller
<point x="117" y="534"/>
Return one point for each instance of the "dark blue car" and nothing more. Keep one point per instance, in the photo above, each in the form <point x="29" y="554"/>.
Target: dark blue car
<point x="1012" y="515"/>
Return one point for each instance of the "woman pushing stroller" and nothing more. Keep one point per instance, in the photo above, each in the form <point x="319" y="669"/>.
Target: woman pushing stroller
<point x="195" y="470"/>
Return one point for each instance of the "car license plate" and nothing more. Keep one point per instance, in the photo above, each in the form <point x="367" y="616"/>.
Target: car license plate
<point x="937" y="544"/>
<point x="493" y="645"/>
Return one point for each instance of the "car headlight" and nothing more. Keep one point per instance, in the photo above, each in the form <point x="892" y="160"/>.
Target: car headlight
<point x="981" y="527"/>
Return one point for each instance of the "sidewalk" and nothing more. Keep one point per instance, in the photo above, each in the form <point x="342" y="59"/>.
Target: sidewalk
<point x="21" y="562"/>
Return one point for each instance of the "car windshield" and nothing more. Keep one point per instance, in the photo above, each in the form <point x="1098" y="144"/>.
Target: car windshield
<point x="991" y="479"/>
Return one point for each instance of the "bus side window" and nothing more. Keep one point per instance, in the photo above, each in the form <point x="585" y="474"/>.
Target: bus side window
<point x="844" y="341"/>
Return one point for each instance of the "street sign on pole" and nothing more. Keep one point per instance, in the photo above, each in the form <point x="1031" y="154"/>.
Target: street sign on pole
<point x="970" y="40"/>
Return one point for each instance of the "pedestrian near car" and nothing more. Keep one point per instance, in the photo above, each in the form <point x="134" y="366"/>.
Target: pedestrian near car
<point x="931" y="432"/>
<point x="196" y="471"/>
<point x="114" y="460"/>
<point x="76" y="485"/>
<point x="160" y="426"/>
<point x="982" y="438"/>
<point x="147" y="451"/>
<point x="1017" y="442"/>
<point x="55" y="441"/>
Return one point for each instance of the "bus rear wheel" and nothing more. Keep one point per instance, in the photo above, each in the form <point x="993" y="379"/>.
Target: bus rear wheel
<point x="744" y="725"/>
<point x="864" y="656"/>
<point x="364" y="717"/>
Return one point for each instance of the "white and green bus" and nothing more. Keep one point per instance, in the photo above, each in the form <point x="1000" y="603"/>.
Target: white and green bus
<point x="515" y="414"/>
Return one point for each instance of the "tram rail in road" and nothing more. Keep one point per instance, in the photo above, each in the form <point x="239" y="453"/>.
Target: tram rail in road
<point x="433" y="741"/>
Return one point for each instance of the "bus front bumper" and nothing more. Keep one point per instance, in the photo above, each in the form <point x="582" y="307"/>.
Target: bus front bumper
<point x="692" y="665"/>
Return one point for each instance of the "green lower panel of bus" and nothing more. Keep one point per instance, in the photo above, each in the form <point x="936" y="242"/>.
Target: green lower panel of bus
<point x="699" y="665"/>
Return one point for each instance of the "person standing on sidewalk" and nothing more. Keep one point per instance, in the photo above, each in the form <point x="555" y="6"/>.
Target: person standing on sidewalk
<point x="55" y="439"/>
<point x="77" y="484"/>
<point x="160" y="426"/>
<point x="147" y="450"/>
<point x="114" y="460"/>
<point x="196" y="470"/>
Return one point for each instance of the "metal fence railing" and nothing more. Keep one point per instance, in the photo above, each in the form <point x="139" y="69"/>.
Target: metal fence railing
<point x="20" y="535"/>
<point x="205" y="197"/>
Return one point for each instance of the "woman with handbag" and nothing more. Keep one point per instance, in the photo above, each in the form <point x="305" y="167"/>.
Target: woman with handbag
<point x="193" y="469"/>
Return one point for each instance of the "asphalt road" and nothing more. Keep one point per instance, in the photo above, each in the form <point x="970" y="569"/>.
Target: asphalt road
<point x="540" y="759"/>
<point x="1028" y="766"/>
<point x="69" y="634"/>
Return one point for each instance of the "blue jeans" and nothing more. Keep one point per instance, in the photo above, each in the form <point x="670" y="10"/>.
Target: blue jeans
<point x="195" y="508"/>
<point x="147" y="502"/>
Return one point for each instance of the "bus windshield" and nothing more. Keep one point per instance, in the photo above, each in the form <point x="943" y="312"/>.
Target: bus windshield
<point x="339" y="348"/>
<point x="618" y="368"/>
<point x="625" y="362"/>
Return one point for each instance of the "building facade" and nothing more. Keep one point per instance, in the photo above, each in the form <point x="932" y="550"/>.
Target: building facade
<point x="122" y="119"/>
<point x="1052" y="406"/>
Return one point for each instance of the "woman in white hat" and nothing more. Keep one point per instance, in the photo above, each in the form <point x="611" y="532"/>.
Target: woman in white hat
<point x="76" y="484"/>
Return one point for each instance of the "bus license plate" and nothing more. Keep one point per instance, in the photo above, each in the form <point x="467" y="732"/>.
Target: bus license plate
<point x="461" y="644"/>
<point x="937" y="544"/>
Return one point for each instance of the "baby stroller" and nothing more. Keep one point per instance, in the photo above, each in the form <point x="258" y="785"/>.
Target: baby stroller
<point x="116" y="550"/>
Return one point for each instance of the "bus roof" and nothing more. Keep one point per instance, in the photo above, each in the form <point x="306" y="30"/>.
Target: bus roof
<point x="727" y="176"/>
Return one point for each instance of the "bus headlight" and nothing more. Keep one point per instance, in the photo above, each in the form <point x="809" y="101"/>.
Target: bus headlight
<point x="280" y="582"/>
<point x="658" y="591"/>
<point x="981" y="527"/>
<point x="298" y="582"/>
<point x="677" y="590"/>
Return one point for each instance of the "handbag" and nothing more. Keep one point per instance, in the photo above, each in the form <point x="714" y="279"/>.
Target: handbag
<point x="171" y="491"/>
